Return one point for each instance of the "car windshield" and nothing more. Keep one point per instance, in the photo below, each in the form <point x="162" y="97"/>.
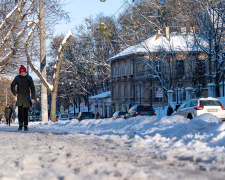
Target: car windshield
<point x="122" y="113"/>
<point x="210" y="103"/>
<point x="64" y="116"/>
<point x="144" y="108"/>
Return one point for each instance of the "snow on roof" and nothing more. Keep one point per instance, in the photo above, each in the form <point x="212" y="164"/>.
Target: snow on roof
<point x="156" y="43"/>
<point x="102" y="95"/>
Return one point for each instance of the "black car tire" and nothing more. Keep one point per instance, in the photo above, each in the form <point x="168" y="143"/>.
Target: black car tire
<point x="189" y="116"/>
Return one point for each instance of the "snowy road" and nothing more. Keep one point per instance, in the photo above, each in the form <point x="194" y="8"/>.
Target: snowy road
<point x="56" y="155"/>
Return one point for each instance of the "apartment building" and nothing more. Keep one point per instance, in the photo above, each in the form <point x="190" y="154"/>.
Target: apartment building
<point x="173" y="64"/>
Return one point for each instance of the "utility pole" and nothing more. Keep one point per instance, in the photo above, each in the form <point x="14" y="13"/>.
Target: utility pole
<point x="6" y="95"/>
<point x="44" y="99"/>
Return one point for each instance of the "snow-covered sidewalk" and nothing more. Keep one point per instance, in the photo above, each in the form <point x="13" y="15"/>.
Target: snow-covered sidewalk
<point x="137" y="148"/>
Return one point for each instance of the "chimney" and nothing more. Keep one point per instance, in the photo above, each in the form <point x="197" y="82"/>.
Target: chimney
<point x="167" y="32"/>
<point x="183" y="30"/>
<point x="192" y="29"/>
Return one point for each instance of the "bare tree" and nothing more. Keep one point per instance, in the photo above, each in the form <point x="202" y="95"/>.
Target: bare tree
<point x="54" y="87"/>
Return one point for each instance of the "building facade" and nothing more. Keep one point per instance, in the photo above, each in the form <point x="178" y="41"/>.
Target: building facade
<point x="173" y="65"/>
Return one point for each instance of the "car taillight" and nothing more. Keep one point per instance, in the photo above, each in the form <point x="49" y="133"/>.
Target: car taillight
<point x="199" y="108"/>
<point x="118" y="116"/>
<point x="154" y="113"/>
<point x="222" y="107"/>
<point x="137" y="113"/>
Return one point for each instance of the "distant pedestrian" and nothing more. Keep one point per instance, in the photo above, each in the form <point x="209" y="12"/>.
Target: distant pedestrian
<point x="177" y="106"/>
<point x="97" y="115"/>
<point x="25" y="88"/>
<point x="169" y="110"/>
<point x="8" y="114"/>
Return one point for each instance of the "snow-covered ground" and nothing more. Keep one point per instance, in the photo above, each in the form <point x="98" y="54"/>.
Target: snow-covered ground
<point x="137" y="148"/>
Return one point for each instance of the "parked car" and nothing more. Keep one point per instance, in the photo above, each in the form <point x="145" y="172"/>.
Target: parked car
<point x="64" y="117"/>
<point x="85" y="115"/>
<point x="119" y="114"/>
<point x="141" y="110"/>
<point x="196" y="107"/>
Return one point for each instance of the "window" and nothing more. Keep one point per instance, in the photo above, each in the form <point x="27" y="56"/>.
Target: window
<point x="188" y="104"/>
<point x="201" y="67"/>
<point x="158" y="66"/>
<point x="180" y="67"/>
<point x="125" y="69"/>
<point x="210" y="103"/>
<point x="194" y="103"/>
<point x="140" y="93"/>
<point x="119" y="91"/>
<point x="113" y="71"/>
<point x="119" y="72"/>
<point x="125" y="91"/>
<point x="113" y="91"/>
<point x="182" y="106"/>
<point x="131" y="91"/>
<point x="131" y="68"/>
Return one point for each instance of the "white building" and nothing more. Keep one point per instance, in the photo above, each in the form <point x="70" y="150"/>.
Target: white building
<point x="102" y="103"/>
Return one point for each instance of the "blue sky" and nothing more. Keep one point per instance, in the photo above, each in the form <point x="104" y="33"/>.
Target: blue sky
<point x="81" y="9"/>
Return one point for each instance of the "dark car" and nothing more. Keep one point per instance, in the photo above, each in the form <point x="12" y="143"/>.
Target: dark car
<point x="85" y="115"/>
<point x="141" y="110"/>
<point x="119" y="114"/>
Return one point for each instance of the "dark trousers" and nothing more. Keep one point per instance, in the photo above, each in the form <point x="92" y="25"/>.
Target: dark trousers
<point x="23" y="115"/>
<point x="7" y="120"/>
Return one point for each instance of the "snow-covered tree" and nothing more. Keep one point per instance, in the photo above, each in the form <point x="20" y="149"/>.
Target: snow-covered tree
<point x="211" y="28"/>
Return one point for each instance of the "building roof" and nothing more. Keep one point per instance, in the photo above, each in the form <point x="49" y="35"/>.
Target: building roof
<point x="102" y="95"/>
<point x="157" y="43"/>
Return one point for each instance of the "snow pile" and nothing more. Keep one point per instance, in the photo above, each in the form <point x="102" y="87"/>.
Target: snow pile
<point x="172" y="130"/>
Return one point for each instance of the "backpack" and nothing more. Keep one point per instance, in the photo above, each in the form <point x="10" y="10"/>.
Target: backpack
<point x="28" y="79"/>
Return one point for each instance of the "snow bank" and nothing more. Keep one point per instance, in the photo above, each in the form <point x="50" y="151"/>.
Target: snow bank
<point x="174" y="131"/>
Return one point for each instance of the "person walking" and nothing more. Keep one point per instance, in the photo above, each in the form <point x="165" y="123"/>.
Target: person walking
<point x="97" y="115"/>
<point x="25" y="89"/>
<point x="8" y="114"/>
<point x="169" y="110"/>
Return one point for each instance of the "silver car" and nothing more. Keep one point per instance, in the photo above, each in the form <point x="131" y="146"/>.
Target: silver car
<point x="64" y="117"/>
<point x="196" y="107"/>
<point x="119" y="114"/>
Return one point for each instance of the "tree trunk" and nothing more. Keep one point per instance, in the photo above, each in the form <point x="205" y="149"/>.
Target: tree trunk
<point x="53" y="106"/>
<point x="44" y="97"/>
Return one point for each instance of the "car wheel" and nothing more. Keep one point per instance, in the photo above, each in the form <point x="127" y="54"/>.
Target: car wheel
<point x="189" y="116"/>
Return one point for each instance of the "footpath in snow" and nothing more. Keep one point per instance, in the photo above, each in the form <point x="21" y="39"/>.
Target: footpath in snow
<point x="137" y="148"/>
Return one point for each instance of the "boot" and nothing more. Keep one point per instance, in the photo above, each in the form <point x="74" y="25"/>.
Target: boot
<point x="25" y="128"/>
<point x="20" y="128"/>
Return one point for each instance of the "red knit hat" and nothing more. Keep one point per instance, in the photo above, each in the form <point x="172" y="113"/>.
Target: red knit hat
<point x="7" y="104"/>
<point x="22" y="69"/>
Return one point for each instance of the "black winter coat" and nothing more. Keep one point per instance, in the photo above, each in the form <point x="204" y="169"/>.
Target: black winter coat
<point x="8" y="112"/>
<point x="25" y="89"/>
<point x="169" y="111"/>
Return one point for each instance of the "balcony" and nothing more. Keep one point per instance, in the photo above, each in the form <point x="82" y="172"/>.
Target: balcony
<point x="131" y="76"/>
<point x="118" y="78"/>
